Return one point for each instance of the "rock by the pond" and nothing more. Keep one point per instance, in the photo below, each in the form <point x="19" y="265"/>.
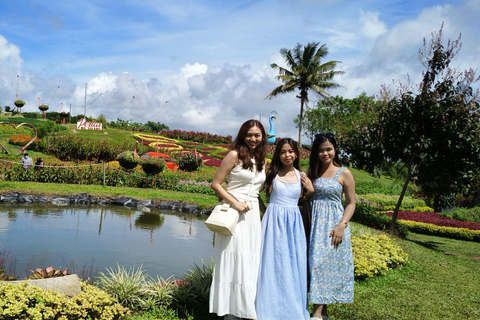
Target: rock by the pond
<point x="68" y="285"/>
<point x="85" y="199"/>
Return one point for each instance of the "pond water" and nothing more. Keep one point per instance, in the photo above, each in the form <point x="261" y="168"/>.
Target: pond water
<point x="87" y="240"/>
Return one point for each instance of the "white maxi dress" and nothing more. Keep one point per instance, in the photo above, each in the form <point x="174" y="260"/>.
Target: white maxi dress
<point x="237" y="257"/>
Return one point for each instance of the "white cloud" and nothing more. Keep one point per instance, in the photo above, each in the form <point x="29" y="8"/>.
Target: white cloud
<point x="372" y="27"/>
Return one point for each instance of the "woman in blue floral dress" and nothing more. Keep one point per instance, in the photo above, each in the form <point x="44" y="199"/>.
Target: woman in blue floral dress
<point x="330" y="252"/>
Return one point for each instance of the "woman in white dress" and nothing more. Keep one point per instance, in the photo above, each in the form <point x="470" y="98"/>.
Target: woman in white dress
<point x="237" y="257"/>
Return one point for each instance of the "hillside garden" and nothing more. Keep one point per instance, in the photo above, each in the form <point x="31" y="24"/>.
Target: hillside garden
<point x="385" y="266"/>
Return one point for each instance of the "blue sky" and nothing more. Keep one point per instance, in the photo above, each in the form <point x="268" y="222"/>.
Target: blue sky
<point x="210" y="59"/>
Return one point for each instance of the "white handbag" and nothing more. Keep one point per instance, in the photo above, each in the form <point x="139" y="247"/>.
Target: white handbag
<point x="224" y="218"/>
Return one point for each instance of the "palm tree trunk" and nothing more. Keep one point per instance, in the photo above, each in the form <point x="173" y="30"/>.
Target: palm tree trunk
<point x="300" y="122"/>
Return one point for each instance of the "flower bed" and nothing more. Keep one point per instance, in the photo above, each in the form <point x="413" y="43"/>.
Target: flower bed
<point x="436" y="219"/>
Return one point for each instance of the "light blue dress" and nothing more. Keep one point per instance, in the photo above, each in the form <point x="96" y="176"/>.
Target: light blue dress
<point x="331" y="270"/>
<point x="282" y="281"/>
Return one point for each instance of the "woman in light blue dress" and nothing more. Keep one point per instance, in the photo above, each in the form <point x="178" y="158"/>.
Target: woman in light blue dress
<point x="282" y="281"/>
<point x="330" y="252"/>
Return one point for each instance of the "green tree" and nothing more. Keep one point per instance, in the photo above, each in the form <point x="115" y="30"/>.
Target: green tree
<point x="305" y="71"/>
<point x="434" y="132"/>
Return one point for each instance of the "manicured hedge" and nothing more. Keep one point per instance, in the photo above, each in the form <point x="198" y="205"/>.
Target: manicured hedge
<point x="374" y="255"/>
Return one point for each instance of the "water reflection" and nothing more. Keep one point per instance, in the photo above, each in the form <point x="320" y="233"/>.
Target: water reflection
<point x="163" y="242"/>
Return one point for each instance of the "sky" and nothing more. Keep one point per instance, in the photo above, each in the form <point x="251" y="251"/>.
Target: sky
<point x="204" y="65"/>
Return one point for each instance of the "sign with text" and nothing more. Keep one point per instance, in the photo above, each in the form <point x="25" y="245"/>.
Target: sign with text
<point x="82" y="124"/>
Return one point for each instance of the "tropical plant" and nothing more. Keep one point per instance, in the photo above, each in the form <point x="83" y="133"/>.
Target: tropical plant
<point x="49" y="272"/>
<point x="127" y="286"/>
<point x="305" y="71"/>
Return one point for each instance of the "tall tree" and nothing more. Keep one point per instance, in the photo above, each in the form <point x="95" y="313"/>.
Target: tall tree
<point x="305" y="71"/>
<point x="435" y="132"/>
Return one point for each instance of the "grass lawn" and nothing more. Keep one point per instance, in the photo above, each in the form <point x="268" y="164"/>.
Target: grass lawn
<point x="442" y="281"/>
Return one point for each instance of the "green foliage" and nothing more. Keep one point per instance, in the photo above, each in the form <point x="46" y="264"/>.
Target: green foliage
<point x="69" y="148"/>
<point x="375" y="186"/>
<point x="428" y="128"/>
<point x="126" y="160"/>
<point x="192" y="296"/>
<point x="369" y="216"/>
<point x="463" y="214"/>
<point x="127" y="286"/>
<point x="422" y="209"/>
<point x="190" y="162"/>
<point x="375" y="255"/>
<point x="445" y="201"/>
<point x="388" y="202"/>
<point x="19" y="103"/>
<point x="49" y="272"/>
<point x="26" y="301"/>
<point x="152" y="166"/>
<point x="448" y="232"/>
<point x="47" y="127"/>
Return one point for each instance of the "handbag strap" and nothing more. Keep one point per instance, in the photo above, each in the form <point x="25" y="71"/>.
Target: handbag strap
<point x="251" y="184"/>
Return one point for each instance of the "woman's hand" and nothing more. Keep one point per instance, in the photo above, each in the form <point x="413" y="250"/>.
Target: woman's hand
<point x="306" y="183"/>
<point x="337" y="235"/>
<point x="241" y="206"/>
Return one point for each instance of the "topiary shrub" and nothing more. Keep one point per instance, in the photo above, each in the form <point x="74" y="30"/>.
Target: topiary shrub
<point x="152" y="166"/>
<point x="126" y="160"/>
<point x="26" y="301"/>
<point x="188" y="162"/>
<point x="374" y="255"/>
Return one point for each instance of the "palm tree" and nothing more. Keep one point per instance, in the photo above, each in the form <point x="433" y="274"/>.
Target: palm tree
<point x="305" y="72"/>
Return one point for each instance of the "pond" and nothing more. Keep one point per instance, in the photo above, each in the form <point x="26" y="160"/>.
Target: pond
<point x="87" y="240"/>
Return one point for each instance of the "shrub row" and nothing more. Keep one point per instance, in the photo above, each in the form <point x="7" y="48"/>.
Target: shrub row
<point x="436" y="219"/>
<point x="202" y="137"/>
<point x="368" y="187"/>
<point x="464" y="214"/>
<point x="24" y="301"/>
<point x="369" y="216"/>
<point x="374" y="255"/>
<point x="448" y="232"/>
<point x="92" y="173"/>
<point x="388" y="202"/>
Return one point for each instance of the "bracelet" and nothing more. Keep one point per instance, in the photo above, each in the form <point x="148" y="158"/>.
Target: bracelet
<point x="345" y="223"/>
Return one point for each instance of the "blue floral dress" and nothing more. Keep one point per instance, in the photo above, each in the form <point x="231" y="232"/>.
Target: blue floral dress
<point x="331" y="270"/>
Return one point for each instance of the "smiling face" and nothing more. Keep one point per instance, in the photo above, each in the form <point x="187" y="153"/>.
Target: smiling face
<point x="326" y="152"/>
<point x="253" y="138"/>
<point x="287" y="155"/>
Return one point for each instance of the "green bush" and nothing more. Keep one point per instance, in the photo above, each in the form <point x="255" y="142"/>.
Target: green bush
<point x="367" y="187"/>
<point x="374" y="255"/>
<point x="126" y="160"/>
<point x="190" y="162"/>
<point x="448" y="232"/>
<point x="384" y="200"/>
<point x="69" y="148"/>
<point x="463" y="214"/>
<point x="25" y="301"/>
<point x="369" y="216"/>
<point x="152" y="166"/>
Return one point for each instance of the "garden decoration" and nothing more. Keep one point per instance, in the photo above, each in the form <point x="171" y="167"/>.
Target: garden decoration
<point x="16" y="127"/>
<point x="19" y="104"/>
<point x="271" y="133"/>
<point x="43" y="108"/>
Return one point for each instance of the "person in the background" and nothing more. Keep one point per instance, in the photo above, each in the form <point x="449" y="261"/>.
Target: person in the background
<point x="330" y="251"/>
<point x="237" y="257"/>
<point x="39" y="163"/>
<point x="26" y="161"/>
<point x="282" y="281"/>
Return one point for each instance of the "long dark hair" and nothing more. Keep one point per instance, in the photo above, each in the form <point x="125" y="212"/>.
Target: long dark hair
<point x="244" y="152"/>
<point x="276" y="163"/>
<point x="315" y="164"/>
